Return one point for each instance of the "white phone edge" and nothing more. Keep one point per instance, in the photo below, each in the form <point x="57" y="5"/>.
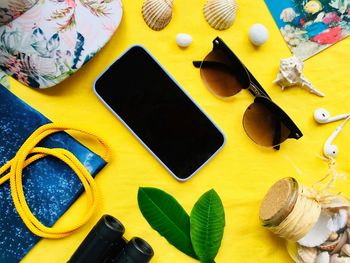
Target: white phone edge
<point x="138" y="138"/>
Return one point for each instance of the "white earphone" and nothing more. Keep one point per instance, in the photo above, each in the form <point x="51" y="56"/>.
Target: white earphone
<point x="329" y="149"/>
<point x="321" y="115"/>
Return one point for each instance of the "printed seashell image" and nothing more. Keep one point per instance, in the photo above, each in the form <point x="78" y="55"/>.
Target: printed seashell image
<point x="313" y="7"/>
<point x="157" y="13"/>
<point x="220" y="14"/>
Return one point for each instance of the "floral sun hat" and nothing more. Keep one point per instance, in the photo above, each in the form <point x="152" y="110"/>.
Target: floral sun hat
<point x="42" y="42"/>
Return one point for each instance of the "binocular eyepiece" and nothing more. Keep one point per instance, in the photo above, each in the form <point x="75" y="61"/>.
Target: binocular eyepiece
<point x="105" y="244"/>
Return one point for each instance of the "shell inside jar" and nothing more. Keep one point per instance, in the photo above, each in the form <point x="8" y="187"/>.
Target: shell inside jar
<point x="336" y="247"/>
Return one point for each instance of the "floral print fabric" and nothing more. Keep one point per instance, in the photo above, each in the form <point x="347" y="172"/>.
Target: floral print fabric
<point x="55" y="38"/>
<point x="11" y="9"/>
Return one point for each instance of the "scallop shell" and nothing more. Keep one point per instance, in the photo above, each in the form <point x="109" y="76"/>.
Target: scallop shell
<point x="307" y="254"/>
<point x="319" y="232"/>
<point x="339" y="220"/>
<point x="220" y="14"/>
<point x="345" y="250"/>
<point x="157" y="13"/>
<point x="337" y="202"/>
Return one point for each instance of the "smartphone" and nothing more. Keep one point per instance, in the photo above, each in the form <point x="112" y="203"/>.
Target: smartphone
<point x="158" y="112"/>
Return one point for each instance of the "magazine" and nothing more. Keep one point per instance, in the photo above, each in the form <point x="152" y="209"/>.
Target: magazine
<point x="309" y="27"/>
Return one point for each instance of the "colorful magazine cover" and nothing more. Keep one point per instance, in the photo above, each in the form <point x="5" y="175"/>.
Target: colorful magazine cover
<point x="309" y="27"/>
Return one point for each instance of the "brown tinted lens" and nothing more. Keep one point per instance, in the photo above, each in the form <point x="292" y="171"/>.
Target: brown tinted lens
<point x="218" y="76"/>
<point x="263" y="127"/>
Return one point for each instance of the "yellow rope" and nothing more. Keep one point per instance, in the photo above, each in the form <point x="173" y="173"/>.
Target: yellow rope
<point x="29" y="153"/>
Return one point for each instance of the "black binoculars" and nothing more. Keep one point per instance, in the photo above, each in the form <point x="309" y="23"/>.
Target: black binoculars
<point x="105" y="244"/>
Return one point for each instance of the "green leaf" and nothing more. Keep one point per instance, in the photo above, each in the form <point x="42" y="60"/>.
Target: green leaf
<point x="166" y="216"/>
<point x="207" y="226"/>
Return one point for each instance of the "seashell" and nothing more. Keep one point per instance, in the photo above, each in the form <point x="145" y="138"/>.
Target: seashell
<point x="290" y="74"/>
<point x="183" y="40"/>
<point x="157" y="13"/>
<point x="348" y="232"/>
<point x="348" y="222"/>
<point x="336" y="245"/>
<point x="337" y="259"/>
<point x="323" y="257"/>
<point x="319" y="232"/>
<point x="307" y="254"/>
<point x="220" y="14"/>
<point x="342" y="241"/>
<point x="337" y="202"/>
<point x="345" y="250"/>
<point x="339" y="220"/>
<point x="288" y="15"/>
<point x="333" y="236"/>
<point x="329" y="245"/>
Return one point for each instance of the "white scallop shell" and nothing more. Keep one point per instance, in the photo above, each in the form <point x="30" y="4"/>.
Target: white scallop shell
<point x="220" y="14"/>
<point x="337" y="202"/>
<point x="307" y="254"/>
<point x="319" y="232"/>
<point x="157" y="13"/>
<point x="339" y="220"/>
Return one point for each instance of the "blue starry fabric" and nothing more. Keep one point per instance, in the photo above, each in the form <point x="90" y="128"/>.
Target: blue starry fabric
<point x="50" y="186"/>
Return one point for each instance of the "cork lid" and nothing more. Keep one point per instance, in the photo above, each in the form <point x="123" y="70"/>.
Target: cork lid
<point x="279" y="201"/>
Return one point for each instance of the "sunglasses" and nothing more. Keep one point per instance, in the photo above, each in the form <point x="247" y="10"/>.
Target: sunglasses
<point x="263" y="121"/>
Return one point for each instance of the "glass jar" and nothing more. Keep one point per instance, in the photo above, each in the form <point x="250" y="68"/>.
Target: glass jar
<point x="289" y="209"/>
<point x="278" y="202"/>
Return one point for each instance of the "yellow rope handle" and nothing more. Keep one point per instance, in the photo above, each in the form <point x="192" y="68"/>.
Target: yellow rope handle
<point x="21" y="160"/>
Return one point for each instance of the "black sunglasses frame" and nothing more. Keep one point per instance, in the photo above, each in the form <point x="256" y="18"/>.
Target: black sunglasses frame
<point x="249" y="82"/>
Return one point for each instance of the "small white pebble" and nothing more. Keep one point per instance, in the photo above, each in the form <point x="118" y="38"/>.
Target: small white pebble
<point x="258" y="34"/>
<point x="183" y="40"/>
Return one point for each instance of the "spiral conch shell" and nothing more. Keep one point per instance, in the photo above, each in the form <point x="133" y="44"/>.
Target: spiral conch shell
<point x="291" y="74"/>
<point x="220" y="14"/>
<point x="157" y="13"/>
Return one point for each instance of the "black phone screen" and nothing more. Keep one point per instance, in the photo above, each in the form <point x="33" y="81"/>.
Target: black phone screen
<point x="153" y="106"/>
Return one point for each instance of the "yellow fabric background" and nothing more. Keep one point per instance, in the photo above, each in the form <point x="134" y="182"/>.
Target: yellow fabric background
<point x="242" y="172"/>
